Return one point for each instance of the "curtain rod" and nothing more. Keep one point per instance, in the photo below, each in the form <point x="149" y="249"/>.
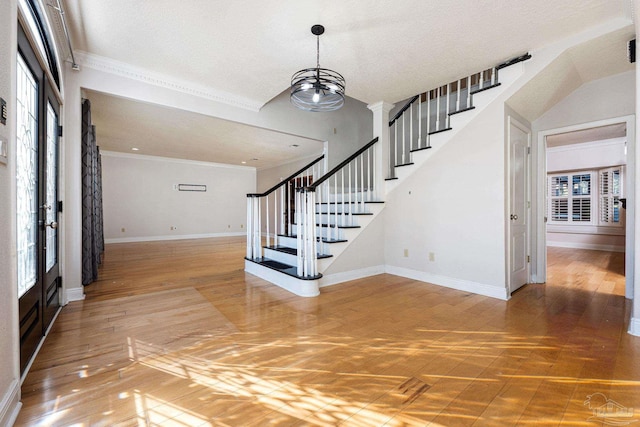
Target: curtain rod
<point x="74" y="65"/>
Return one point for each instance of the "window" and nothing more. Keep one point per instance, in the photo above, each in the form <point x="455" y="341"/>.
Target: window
<point x="570" y="198"/>
<point x="585" y="197"/>
<point x="610" y="192"/>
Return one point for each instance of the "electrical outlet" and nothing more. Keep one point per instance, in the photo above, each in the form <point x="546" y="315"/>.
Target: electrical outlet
<point x="241" y="225"/>
<point x="406" y="253"/>
<point x="432" y="256"/>
<point x="122" y="229"/>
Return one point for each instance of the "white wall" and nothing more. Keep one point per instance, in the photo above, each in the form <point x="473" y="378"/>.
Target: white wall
<point x="453" y="207"/>
<point x="9" y="347"/>
<point x="139" y="195"/>
<point x="588" y="155"/>
<point x="268" y="177"/>
<point x="611" y="96"/>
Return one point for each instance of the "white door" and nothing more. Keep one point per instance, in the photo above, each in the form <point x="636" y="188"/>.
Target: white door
<point x="519" y="205"/>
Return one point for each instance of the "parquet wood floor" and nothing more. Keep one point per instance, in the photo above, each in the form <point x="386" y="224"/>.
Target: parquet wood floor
<point x="177" y="334"/>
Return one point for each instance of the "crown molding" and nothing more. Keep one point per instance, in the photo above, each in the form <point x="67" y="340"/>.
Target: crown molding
<point x="111" y="66"/>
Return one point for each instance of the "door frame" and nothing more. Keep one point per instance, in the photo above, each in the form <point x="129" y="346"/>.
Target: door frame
<point x="540" y="245"/>
<point x="512" y="120"/>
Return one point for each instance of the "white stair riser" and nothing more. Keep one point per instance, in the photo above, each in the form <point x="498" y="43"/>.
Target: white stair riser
<point x="292" y="242"/>
<point x="342" y="207"/>
<point x="280" y="256"/>
<point x="325" y="232"/>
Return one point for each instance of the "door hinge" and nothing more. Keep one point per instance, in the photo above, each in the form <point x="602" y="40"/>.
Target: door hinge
<point x="59" y="131"/>
<point x="59" y="281"/>
<point x="59" y="205"/>
<point x="528" y="150"/>
<point x="528" y="258"/>
<point x="528" y="205"/>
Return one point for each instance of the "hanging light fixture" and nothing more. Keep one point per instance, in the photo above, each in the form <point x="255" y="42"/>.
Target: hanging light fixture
<point x="317" y="89"/>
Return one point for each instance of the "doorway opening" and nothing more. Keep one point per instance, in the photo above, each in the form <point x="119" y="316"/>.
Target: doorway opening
<point x="588" y="177"/>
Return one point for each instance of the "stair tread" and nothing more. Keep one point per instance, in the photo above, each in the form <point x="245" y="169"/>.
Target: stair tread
<point x="391" y="179"/>
<point x="345" y="213"/>
<point x="331" y="225"/>
<point x="461" y="110"/>
<point x="485" y="88"/>
<point x="293" y="251"/>
<point x="420" y="149"/>
<point x="287" y="269"/>
<point x="323" y="240"/>
<point x="346" y="203"/>
<point x="404" y="164"/>
<point x="439" y="131"/>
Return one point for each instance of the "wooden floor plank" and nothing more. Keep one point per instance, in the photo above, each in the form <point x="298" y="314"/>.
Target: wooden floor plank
<point x="176" y="333"/>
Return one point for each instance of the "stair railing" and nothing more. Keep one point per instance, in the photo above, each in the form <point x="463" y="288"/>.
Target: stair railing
<point x="271" y="214"/>
<point x="428" y="113"/>
<point x="330" y="202"/>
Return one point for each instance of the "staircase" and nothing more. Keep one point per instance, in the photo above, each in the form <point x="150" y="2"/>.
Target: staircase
<point x="299" y="227"/>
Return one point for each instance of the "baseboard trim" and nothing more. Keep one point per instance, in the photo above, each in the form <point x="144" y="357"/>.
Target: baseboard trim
<point x="589" y="246"/>
<point x="450" y="282"/>
<point x="634" y="327"/>
<point x="10" y="404"/>
<point x="172" y="237"/>
<point x="73" y="294"/>
<point x="336" y="278"/>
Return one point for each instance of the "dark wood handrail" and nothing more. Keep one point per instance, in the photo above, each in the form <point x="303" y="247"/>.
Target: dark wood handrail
<point x="399" y="113"/>
<point x="333" y="171"/>
<point x="287" y="179"/>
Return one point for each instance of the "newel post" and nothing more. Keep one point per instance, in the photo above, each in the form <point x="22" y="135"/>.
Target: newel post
<point x="380" y="112"/>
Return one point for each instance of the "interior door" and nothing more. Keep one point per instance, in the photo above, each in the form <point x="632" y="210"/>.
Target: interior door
<point x="519" y="141"/>
<point x="36" y="200"/>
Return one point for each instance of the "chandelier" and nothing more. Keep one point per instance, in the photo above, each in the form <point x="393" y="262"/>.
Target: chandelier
<point x="317" y="89"/>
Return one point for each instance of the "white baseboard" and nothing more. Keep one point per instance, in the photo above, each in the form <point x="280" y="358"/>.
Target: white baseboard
<point x="73" y="294"/>
<point x="634" y="327"/>
<point x="332" y="279"/>
<point x="172" y="237"/>
<point x="450" y="282"/>
<point x="589" y="246"/>
<point x="10" y="404"/>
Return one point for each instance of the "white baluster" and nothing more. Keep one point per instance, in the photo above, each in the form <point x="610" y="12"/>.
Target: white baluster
<point x="362" y="182"/>
<point x="420" y="121"/>
<point x="438" y="94"/>
<point x="395" y="154"/>
<point x="403" y="138"/>
<point x="458" y="85"/>
<point x="267" y="218"/>
<point x="335" y="208"/>
<point x="299" y="234"/>
<point x="350" y="192"/>
<point x="342" y="197"/>
<point x="369" y="171"/>
<point x="410" y="130"/>
<point x="446" y="112"/>
<point x="426" y="138"/>
<point x="480" y="79"/>
<point x="468" y="91"/>
<point x="257" y="230"/>
<point x="249" y="227"/>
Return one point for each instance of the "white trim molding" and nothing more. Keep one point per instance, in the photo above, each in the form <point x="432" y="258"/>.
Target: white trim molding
<point x="73" y="294"/>
<point x="172" y="237"/>
<point x="111" y="66"/>
<point x="589" y="246"/>
<point x="345" y="276"/>
<point x="634" y="327"/>
<point x="10" y="404"/>
<point x="450" y="282"/>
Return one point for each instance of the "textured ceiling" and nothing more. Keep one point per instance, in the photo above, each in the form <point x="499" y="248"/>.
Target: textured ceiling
<point x="386" y="51"/>
<point x="123" y="124"/>
<point x="251" y="48"/>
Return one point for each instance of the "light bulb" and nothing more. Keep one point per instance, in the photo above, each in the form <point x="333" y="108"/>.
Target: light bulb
<point x="316" y="97"/>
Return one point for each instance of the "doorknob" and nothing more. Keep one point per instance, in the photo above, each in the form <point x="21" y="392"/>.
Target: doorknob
<point x="515" y="217"/>
<point x="52" y="224"/>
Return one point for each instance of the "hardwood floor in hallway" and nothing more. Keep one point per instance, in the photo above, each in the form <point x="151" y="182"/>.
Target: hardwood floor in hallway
<point x="177" y="334"/>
